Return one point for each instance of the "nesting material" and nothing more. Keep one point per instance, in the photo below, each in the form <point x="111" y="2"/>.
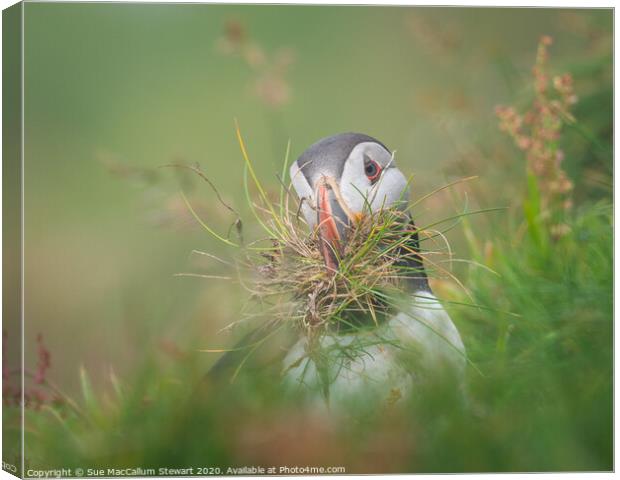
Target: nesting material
<point x="380" y="256"/>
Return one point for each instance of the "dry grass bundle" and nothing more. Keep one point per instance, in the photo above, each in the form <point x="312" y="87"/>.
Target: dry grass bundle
<point x="379" y="257"/>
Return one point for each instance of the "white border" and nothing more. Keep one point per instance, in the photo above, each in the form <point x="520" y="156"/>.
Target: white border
<point x="479" y="3"/>
<point x="381" y="3"/>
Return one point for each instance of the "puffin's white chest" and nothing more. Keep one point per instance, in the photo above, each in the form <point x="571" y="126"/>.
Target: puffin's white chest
<point x="383" y="363"/>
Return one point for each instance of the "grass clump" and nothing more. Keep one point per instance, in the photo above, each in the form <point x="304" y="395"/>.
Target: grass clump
<point x="373" y="268"/>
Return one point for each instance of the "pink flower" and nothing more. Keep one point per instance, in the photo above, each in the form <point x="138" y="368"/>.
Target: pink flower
<point x="537" y="131"/>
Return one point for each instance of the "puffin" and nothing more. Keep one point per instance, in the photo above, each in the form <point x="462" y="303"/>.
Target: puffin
<point x="338" y="180"/>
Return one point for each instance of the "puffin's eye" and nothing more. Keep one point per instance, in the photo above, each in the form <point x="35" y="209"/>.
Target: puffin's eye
<point x="372" y="169"/>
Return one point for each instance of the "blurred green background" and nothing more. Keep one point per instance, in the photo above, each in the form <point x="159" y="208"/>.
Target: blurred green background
<point x="114" y="91"/>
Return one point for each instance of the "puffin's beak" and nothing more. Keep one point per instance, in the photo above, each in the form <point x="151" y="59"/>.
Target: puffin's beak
<point x="333" y="221"/>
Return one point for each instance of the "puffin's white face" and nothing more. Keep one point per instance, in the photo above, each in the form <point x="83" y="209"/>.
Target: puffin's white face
<point x="370" y="179"/>
<point x="341" y="178"/>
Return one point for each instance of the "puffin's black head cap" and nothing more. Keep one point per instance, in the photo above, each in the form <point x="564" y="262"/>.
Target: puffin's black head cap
<point x="328" y="155"/>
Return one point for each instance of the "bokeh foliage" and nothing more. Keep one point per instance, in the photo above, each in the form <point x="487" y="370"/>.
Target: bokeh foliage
<point x="116" y="91"/>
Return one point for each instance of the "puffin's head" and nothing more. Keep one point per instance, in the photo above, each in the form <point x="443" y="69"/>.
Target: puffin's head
<point x="341" y="178"/>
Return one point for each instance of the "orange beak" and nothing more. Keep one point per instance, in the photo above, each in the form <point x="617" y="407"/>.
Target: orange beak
<point x="329" y="236"/>
<point x="333" y="223"/>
